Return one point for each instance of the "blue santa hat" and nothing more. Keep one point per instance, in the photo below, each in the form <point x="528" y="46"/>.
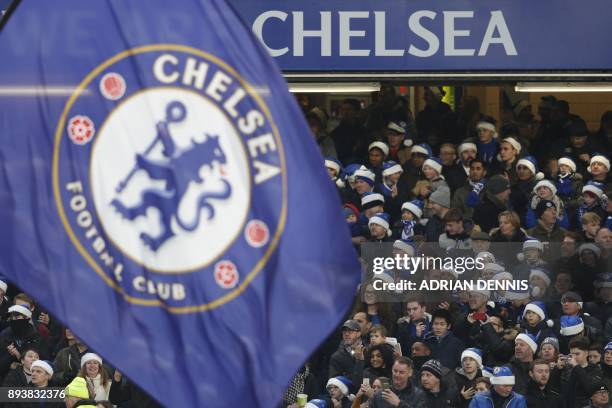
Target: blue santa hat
<point x="474" y="353"/>
<point x="391" y="167"/>
<point x="502" y="376"/>
<point x="593" y="187"/>
<point x="369" y="200"/>
<point x="571" y="325"/>
<point x="538" y="308"/>
<point x="608" y="347"/>
<point x="517" y="294"/>
<point x="341" y="382"/>
<point x="406" y="246"/>
<point x="435" y="163"/>
<point x="334" y="164"/>
<point x="532" y="164"/>
<point x="528" y="338"/>
<point x="381" y="219"/>
<point x="316" y="403"/>
<point x="415" y="207"/>
<point x="422" y="148"/>
<point x="364" y="174"/>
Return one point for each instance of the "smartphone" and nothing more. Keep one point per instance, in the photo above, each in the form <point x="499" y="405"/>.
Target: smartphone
<point x="386" y="385"/>
<point x="482" y="316"/>
<point x="398" y="348"/>
<point x="366" y="382"/>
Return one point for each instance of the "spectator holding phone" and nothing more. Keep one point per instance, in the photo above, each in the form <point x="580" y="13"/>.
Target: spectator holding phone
<point x="414" y="325"/>
<point x="401" y="391"/>
<point x="471" y="320"/>
<point x="583" y="375"/>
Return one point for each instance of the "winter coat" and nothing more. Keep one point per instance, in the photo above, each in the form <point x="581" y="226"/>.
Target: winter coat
<point x="434" y="228"/>
<point x="485" y="400"/>
<point x="521" y="375"/>
<point x="447" y="350"/>
<point x="497" y="347"/>
<point x="455" y="176"/>
<point x="546" y="398"/>
<point x="410" y="397"/>
<point x="531" y="219"/>
<point x="487" y="212"/>
<point x="341" y="363"/>
<point x="460" y="198"/>
<point x="442" y="399"/>
<point x="30" y="339"/>
<point x="462" y="382"/>
<point x="126" y="392"/>
<point x="16" y="378"/>
<point x="541" y="234"/>
<point x="569" y="189"/>
<point x="67" y="364"/>
<point x="579" y="384"/>
<point x="520" y="194"/>
<point x="406" y="333"/>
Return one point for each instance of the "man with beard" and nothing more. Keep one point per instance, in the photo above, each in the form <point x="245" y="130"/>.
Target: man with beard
<point x="19" y="335"/>
<point x="539" y="393"/>
<point x="401" y="393"/>
<point x="342" y="362"/>
<point x="468" y="196"/>
<point x="453" y="170"/>
<point x="525" y="347"/>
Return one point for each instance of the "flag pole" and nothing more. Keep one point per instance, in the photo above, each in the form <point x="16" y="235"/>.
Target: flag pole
<point x="5" y="18"/>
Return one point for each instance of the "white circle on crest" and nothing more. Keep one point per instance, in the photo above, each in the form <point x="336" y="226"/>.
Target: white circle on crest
<point x="129" y="130"/>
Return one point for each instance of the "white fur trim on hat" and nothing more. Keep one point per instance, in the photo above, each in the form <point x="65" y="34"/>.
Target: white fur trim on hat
<point x="419" y="149"/>
<point x="532" y="344"/>
<point x="396" y="168"/>
<point x="367" y="199"/>
<point x="3" y="286"/>
<point x="402" y="246"/>
<point x="469" y="353"/>
<point x="514" y="143"/>
<point x="434" y="165"/>
<point x="493" y="267"/>
<point x="484" y="292"/>
<point x="381" y="146"/>
<point x="503" y="275"/>
<point x="487" y="126"/>
<point x="379" y="221"/>
<point x="332" y="165"/>
<point x="540" y="274"/>
<point x="486" y="256"/>
<point x="507" y="380"/>
<point x="568" y="162"/>
<point x="532" y="307"/>
<point x="413" y="209"/>
<point x="339" y="384"/>
<point x="590" y="247"/>
<point x="396" y="128"/>
<point x="90" y="357"/>
<point x="533" y="243"/>
<point x="22" y="310"/>
<point x="467" y="146"/>
<point x="572" y="330"/>
<point x="46" y="367"/>
<point x="365" y="173"/>
<point x="593" y="189"/>
<point x="545" y="183"/>
<point x="599" y="159"/>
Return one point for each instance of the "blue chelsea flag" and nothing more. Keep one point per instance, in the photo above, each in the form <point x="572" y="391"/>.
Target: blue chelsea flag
<point x="160" y="194"/>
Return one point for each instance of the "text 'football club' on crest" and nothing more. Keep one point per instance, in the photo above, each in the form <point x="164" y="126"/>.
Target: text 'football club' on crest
<point x="169" y="177"/>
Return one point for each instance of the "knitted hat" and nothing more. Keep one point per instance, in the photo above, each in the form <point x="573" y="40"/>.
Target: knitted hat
<point x="502" y="376"/>
<point x="22" y="310"/>
<point x="545" y="183"/>
<point x="467" y="146"/>
<point x="533" y="243"/>
<point x="3" y="286"/>
<point x="406" y="246"/>
<point x="369" y="200"/>
<point x="474" y="353"/>
<point x="568" y="162"/>
<point x="529" y="339"/>
<point x="435" y="163"/>
<point x="589" y="247"/>
<point x="484" y="292"/>
<point x="364" y="174"/>
<point x="391" y="167"/>
<point x="608" y="347"/>
<point x="441" y="196"/>
<point x="77" y="388"/>
<point x="394" y="127"/>
<point x="536" y="307"/>
<point x="542" y="206"/>
<point x="341" y="382"/>
<point x="422" y="148"/>
<point x="379" y="145"/>
<point x="498" y="184"/>
<point x="514" y="143"/>
<point x="44" y="365"/>
<point x="571" y="325"/>
<point x="334" y="164"/>
<point x="599" y="158"/>
<point x="434" y="367"/>
<point x="487" y="123"/>
<point x="316" y="403"/>
<point x="528" y="161"/>
<point x="593" y="187"/>
<point x="540" y="274"/>
<point x="486" y="256"/>
<point x="90" y="357"/>
<point x="415" y="207"/>
<point x="553" y="341"/>
<point x="381" y="219"/>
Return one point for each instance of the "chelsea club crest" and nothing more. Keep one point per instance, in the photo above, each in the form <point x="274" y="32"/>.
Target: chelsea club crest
<point x="169" y="177"/>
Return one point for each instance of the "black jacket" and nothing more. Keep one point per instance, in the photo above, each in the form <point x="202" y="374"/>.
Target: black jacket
<point x="497" y="350"/>
<point x="341" y="363"/>
<point x="521" y="375"/>
<point x="487" y="211"/>
<point x="579" y="384"/>
<point x="446" y="350"/>
<point x="126" y="394"/>
<point x="546" y="398"/>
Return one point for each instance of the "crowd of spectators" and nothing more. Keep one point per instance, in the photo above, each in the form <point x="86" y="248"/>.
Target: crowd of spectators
<point x="531" y="197"/>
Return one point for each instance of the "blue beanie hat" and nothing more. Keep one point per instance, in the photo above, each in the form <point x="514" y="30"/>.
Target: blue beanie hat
<point x="502" y="376"/>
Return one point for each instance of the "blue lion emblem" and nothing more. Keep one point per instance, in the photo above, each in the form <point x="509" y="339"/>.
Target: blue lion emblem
<point x="178" y="170"/>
